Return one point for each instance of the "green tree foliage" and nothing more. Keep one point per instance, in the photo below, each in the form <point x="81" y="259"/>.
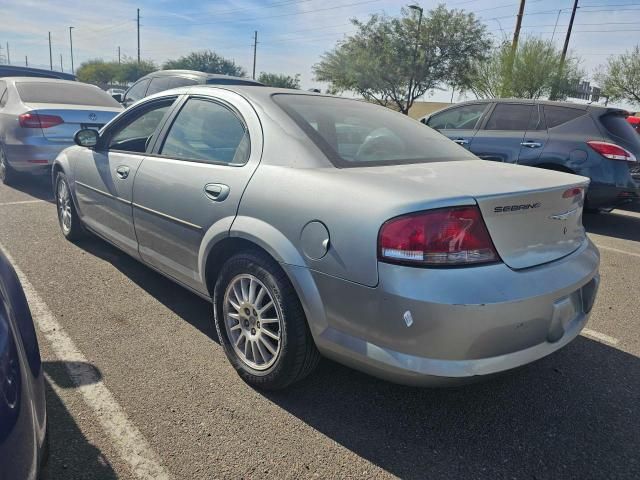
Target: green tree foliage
<point x="377" y="62"/>
<point x="206" y="61"/>
<point x="536" y="72"/>
<point x="104" y="73"/>
<point x="280" y="80"/>
<point x="620" y="77"/>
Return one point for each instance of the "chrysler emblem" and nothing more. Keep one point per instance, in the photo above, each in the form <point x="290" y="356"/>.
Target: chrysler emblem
<point x="564" y="215"/>
<point x="93" y="117"/>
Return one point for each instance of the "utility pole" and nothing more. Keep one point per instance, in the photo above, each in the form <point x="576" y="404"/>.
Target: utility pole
<point x="255" y="47"/>
<point x="563" y="57"/>
<point x="26" y="61"/>
<point x="50" y="53"/>
<point x="514" y="49"/>
<point x="71" y="45"/>
<point x="118" y="55"/>
<point x="138" y="23"/>
<point x="8" y="55"/>
<point x="556" y="25"/>
<point x="61" y="67"/>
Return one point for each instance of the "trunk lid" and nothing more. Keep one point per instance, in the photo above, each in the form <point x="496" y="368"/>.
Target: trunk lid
<point x="75" y="117"/>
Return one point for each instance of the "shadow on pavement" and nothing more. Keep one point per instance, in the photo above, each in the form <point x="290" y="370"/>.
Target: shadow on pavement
<point x="613" y="224"/>
<point x="189" y="306"/>
<point x="71" y="454"/>
<point x="37" y="186"/>
<point x="575" y="414"/>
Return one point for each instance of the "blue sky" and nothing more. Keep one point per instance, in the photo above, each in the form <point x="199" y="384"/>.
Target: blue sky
<point x="292" y="34"/>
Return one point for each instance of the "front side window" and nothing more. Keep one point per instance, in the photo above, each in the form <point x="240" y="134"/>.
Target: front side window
<point x="159" y="84"/>
<point x="510" y="116"/>
<point x="460" y="118"/>
<point x="209" y="132"/>
<point x="136" y="134"/>
<point x="354" y="133"/>
<point x="137" y="92"/>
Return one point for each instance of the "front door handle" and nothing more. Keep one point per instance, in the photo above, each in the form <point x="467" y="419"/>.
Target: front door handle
<point x="530" y="144"/>
<point x="122" y="171"/>
<point x="216" y="191"/>
<point x="461" y="141"/>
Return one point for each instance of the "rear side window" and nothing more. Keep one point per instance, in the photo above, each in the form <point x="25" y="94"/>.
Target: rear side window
<point x="459" y="118"/>
<point x="510" y="116"/>
<point x="72" y="93"/>
<point x="209" y="132"/>
<point x="555" y="115"/>
<point x="618" y="126"/>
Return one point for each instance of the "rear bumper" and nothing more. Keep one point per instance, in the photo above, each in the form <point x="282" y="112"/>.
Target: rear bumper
<point x="33" y="158"/>
<point x="464" y="323"/>
<point x="609" y="196"/>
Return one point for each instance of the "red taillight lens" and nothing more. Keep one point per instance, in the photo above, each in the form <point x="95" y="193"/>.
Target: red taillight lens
<point x="612" y="151"/>
<point x="447" y="236"/>
<point x="35" y="120"/>
<point x="572" y="192"/>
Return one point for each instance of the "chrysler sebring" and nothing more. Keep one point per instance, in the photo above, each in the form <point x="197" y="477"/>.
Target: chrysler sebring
<point x="320" y="225"/>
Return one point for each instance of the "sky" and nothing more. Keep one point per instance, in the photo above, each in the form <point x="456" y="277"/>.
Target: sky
<point x="292" y="34"/>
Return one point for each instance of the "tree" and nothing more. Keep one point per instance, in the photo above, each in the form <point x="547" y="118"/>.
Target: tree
<point x="620" y="77"/>
<point x="206" y="61"/>
<point x="377" y="62"/>
<point x="280" y="80"/>
<point x="105" y="73"/>
<point x="535" y="71"/>
<point x="130" y="70"/>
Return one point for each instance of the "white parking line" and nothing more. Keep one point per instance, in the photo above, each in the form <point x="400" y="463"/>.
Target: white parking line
<point x="129" y="442"/>
<point x="600" y="336"/>
<point x="617" y="250"/>
<point x="22" y="202"/>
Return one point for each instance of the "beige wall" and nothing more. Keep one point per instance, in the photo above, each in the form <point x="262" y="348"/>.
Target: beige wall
<point x="420" y="109"/>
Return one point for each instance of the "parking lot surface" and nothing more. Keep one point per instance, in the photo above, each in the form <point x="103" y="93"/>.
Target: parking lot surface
<point x="153" y="395"/>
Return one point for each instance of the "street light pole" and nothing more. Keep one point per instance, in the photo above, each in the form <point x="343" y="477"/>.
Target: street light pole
<point x="73" y="72"/>
<point x="415" y="53"/>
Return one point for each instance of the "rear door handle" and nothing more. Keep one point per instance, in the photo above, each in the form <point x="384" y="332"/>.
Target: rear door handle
<point x="216" y="191"/>
<point x="531" y="144"/>
<point x="461" y="141"/>
<point x="122" y="171"/>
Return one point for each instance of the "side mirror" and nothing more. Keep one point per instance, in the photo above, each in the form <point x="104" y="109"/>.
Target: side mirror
<point x="117" y="97"/>
<point x="86" y="137"/>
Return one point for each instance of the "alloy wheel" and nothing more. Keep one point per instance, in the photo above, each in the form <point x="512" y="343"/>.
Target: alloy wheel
<point x="253" y="322"/>
<point x="64" y="206"/>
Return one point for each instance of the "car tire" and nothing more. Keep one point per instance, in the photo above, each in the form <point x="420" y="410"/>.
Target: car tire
<point x="8" y="175"/>
<point x="70" y="223"/>
<point x="259" y="359"/>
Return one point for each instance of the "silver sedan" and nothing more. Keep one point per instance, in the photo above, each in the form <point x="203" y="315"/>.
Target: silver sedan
<point x="327" y="226"/>
<point x="38" y="117"/>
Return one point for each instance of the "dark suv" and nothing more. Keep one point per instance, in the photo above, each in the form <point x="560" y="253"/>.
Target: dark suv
<point x="166" y="79"/>
<point x="588" y="140"/>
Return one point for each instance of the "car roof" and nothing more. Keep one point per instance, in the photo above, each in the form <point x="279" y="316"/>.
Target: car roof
<point x="196" y="74"/>
<point x="17" y="71"/>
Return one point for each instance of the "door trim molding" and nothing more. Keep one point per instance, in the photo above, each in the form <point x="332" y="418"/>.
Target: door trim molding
<point x="168" y="217"/>
<point x="101" y="192"/>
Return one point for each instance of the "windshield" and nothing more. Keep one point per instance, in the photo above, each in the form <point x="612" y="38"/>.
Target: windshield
<point x="354" y="133"/>
<point x="64" y="93"/>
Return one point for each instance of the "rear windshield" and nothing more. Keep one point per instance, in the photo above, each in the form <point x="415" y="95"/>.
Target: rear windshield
<point x="354" y="133"/>
<point x="64" y="93"/>
<point x="618" y="126"/>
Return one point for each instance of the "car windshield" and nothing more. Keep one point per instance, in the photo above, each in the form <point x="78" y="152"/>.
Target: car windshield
<point x="354" y="133"/>
<point x="64" y="93"/>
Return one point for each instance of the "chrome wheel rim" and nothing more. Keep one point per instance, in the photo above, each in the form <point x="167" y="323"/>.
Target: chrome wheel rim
<point x="64" y="206"/>
<point x="253" y="322"/>
<point x="3" y="165"/>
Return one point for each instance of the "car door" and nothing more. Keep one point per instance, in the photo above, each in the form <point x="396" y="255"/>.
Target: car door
<point x="459" y="123"/>
<point x="199" y="169"/>
<point x="535" y="138"/>
<point x="104" y="177"/>
<point x="501" y="137"/>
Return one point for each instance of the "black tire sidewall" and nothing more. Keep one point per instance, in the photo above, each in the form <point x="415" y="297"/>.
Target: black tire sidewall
<point x="284" y="370"/>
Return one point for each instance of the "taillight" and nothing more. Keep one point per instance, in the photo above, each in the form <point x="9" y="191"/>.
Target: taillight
<point x="36" y="120"/>
<point x="572" y="192"/>
<point x="612" y="151"/>
<point x="446" y="236"/>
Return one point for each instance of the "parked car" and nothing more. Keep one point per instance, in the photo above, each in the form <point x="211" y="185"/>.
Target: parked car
<point x="406" y="257"/>
<point x="586" y="140"/>
<point x="15" y="71"/>
<point x="167" y="79"/>
<point x="23" y="419"/>
<point x="38" y="118"/>
<point x="118" y="92"/>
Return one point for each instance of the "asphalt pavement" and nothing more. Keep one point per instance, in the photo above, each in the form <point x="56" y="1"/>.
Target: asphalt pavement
<point x="156" y="390"/>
